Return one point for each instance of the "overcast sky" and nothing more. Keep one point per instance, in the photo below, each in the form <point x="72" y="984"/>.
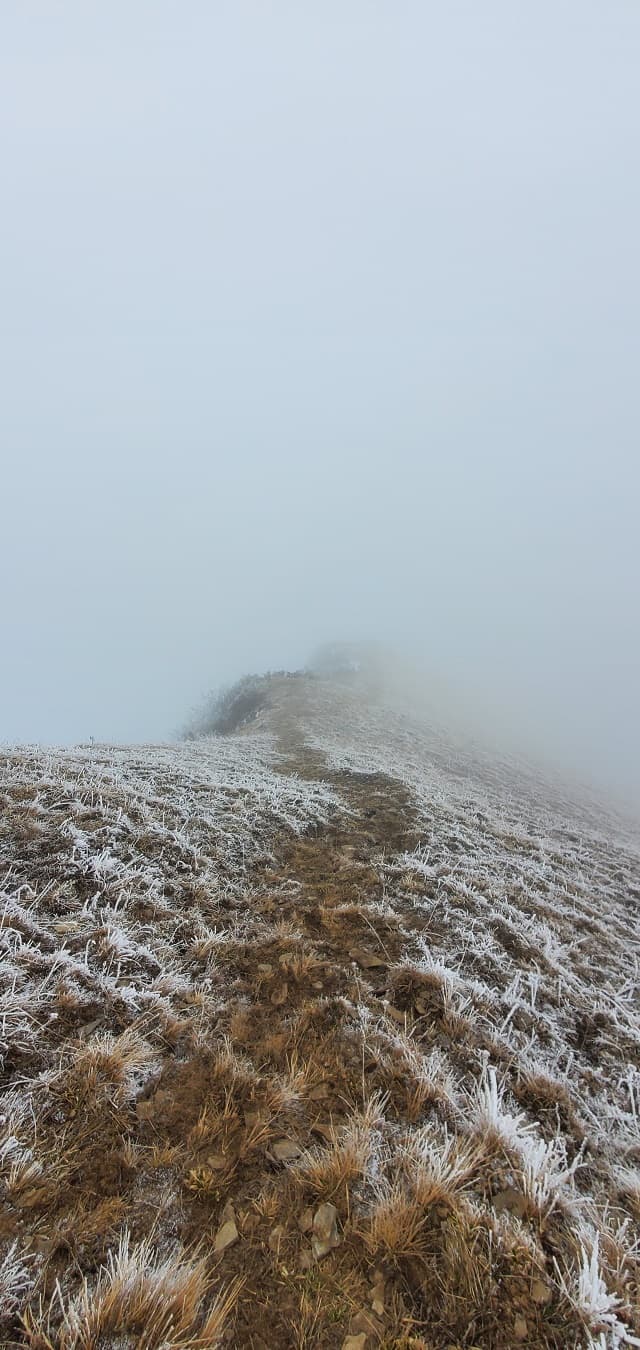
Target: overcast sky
<point x="320" y="321"/>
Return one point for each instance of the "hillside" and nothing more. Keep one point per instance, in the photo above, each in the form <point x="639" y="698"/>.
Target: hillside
<point x="323" y="1032"/>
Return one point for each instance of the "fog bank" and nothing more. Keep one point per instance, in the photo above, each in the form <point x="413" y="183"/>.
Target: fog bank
<point x="321" y="322"/>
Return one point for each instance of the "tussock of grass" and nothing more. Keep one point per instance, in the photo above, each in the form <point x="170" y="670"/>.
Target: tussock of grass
<point x="159" y="1301"/>
<point x="395" y="1223"/>
<point x="348" y="1154"/>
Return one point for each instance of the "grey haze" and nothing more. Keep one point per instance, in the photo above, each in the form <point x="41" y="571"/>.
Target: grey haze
<point x="321" y="321"/>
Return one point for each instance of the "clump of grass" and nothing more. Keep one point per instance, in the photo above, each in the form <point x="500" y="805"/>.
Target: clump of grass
<point x="159" y="1300"/>
<point x="438" y="1169"/>
<point x="117" y="1065"/>
<point x="301" y="965"/>
<point x="395" y="1223"/>
<point x="164" y="1155"/>
<point x="213" y="1121"/>
<point x="233" y="1066"/>
<point x="427" y="1079"/>
<point x="331" y="1169"/>
<point x="81" y="1227"/>
<point x="546" y="1096"/>
<point x="286" y="1091"/>
<point x="585" y="1289"/>
<point x="496" y="1126"/>
<point x="423" y="989"/>
<point x="546" y="1173"/>
<point x="206" y="1182"/>
<point x="467" y="1255"/>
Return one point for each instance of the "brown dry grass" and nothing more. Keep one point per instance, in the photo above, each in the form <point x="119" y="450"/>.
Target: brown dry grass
<point x="196" y="1032"/>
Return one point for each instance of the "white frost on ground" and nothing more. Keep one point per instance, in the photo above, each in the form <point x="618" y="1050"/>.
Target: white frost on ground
<point x="134" y="871"/>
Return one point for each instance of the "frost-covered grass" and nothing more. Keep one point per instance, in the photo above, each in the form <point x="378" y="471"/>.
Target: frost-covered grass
<point x="331" y="959"/>
<point x="105" y="852"/>
<point x="124" y="874"/>
<point x="527" y="894"/>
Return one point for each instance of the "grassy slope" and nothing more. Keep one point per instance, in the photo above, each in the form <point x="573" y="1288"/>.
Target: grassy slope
<point x="322" y="1029"/>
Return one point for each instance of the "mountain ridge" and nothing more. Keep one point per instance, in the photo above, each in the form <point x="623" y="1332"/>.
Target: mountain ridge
<point x="322" y="1031"/>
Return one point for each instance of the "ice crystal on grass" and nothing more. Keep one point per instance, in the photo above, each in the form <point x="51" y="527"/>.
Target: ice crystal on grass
<point x="599" y="1308"/>
<point x="159" y="1300"/>
<point x="15" y="1279"/>
<point x="546" y="1171"/>
<point x="492" y="1116"/>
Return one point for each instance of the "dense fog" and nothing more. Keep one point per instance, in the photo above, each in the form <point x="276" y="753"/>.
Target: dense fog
<point x="322" y="322"/>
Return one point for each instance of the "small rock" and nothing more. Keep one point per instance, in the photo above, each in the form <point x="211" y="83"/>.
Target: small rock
<point x="540" y="1292"/>
<point x="520" y="1329"/>
<point x="325" y="1230"/>
<point x="280" y="995"/>
<point x="275" y="1237"/>
<point x="226" y="1235"/>
<point x="285" y="1150"/>
<point x="216" y="1161"/>
<point x="265" y="968"/>
<point x="89" y="1027"/>
<point x="377" y="1294"/>
<point x="355" y="1342"/>
<point x="305" y="1222"/>
<point x="367" y="960"/>
<point x="317" y="1093"/>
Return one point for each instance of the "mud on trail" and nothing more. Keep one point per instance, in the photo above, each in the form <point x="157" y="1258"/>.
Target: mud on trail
<point x="299" y="1045"/>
